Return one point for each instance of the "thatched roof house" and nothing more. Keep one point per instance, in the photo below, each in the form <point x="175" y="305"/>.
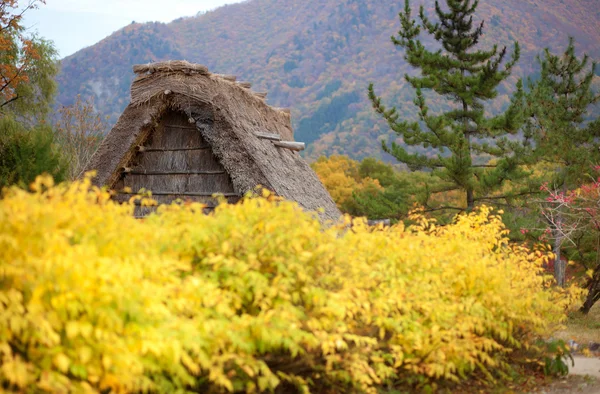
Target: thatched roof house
<point x="188" y="134"/>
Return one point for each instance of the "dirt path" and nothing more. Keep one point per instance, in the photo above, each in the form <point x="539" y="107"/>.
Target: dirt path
<point x="586" y="366"/>
<point x="584" y="377"/>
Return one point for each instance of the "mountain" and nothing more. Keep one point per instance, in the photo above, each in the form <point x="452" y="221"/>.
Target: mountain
<point x="317" y="57"/>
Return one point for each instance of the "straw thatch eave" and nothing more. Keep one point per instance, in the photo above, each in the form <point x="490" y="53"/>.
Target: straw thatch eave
<point x="118" y="147"/>
<point x="230" y="117"/>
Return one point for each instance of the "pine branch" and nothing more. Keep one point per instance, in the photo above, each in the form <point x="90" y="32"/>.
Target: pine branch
<point x="506" y="196"/>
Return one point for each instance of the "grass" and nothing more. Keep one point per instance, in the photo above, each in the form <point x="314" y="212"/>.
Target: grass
<point x="581" y="328"/>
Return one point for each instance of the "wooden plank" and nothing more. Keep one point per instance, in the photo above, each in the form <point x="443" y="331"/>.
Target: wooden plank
<point x="181" y="127"/>
<point x="170" y="199"/>
<point x="261" y="95"/>
<point x="146" y="149"/>
<point x="131" y="171"/>
<point x="138" y="203"/>
<point x="268" y="136"/>
<point x="185" y="194"/>
<point x="295" y="146"/>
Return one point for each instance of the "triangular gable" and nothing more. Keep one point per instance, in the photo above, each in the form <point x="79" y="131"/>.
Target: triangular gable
<point x="175" y="162"/>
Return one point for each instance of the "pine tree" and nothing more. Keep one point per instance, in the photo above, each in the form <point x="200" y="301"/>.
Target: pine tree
<point x="558" y="106"/>
<point x="463" y="138"/>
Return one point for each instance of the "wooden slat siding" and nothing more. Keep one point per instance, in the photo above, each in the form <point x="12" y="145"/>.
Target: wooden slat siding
<point x="141" y="213"/>
<point x="145" y="149"/>
<point x="176" y="163"/>
<point x="202" y="160"/>
<point x="176" y="133"/>
<point x="139" y="204"/>
<point x="134" y="171"/>
<point x="169" y="199"/>
<point x="180" y="183"/>
<point x="186" y="194"/>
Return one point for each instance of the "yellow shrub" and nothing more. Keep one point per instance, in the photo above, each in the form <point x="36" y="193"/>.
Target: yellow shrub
<point x="257" y="295"/>
<point x="340" y="176"/>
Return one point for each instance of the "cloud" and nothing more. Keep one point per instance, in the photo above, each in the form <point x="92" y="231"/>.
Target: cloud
<point x="75" y="24"/>
<point x="139" y="10"/>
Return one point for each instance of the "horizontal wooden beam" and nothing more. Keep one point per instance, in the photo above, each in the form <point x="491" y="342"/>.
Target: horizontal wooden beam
<point x="206" y="210"/>
<point x="190" y="194"/>
<point x="261" y="95"/>
<point x="147" y="149"/>
<point x="295" y="146"/>
<point x="268" y="136"/>
<point x="138" y="203"/>
<point x="132" y="171"/>
<point x="182" y="127"/>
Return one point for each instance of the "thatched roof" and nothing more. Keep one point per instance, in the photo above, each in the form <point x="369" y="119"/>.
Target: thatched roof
<point x="234" y="121"/>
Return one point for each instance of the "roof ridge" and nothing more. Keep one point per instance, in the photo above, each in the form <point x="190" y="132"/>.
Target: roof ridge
<point x="188" y="68"/>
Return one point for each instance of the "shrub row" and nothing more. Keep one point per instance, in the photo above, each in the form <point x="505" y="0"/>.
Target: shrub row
<point x="255" y="297"/>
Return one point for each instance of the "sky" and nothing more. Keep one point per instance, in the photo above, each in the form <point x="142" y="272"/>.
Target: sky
<point x="76" y="24"/>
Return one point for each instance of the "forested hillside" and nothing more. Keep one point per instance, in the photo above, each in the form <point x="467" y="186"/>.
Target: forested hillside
<point x="316" y="57"/>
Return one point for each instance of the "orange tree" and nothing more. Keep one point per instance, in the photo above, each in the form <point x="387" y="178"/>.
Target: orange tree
<point x="27" y="68"/>
<point x="27" y="63"/>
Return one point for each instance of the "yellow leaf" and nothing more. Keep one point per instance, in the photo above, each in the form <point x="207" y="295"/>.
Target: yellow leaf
<point x="85" y="354"/>
<point x="62" y="362"/>
<point x="72" y="329"/>
<point x="16" y="372"/>
<point x="106" y="362"/>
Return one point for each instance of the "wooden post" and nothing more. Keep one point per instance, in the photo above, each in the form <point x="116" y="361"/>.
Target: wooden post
<point x="261" y="95"/>
<point x="295" y="146"/>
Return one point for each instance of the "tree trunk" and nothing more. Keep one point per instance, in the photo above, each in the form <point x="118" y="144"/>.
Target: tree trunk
<point x="470" y="194"/>
<point x="470" y="200"/>
<point x="560" y="267"/>
<point x="593" y="292"/>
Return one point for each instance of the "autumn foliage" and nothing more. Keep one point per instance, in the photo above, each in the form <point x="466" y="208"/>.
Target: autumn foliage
<point x="317" y="60"/>
<point x="254" y="297"/>
<point x="341" y="177"/>
<point x="27" y="63"/>
<point x="575" y="217"/>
